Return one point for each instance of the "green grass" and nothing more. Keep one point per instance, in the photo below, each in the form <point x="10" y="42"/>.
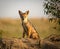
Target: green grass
<point x="12" y="28"/>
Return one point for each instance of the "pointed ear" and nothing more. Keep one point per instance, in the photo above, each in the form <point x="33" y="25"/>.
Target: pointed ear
<point x="19" y="11"/>
<point x="27" y="12"/>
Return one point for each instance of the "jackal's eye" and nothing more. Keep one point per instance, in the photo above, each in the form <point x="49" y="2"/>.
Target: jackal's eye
<point x="21" y="16"/>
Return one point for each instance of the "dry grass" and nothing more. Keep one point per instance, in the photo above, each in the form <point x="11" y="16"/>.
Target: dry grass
<point x="13" y="28"/>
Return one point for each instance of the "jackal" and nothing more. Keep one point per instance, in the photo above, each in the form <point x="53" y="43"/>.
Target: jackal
<point x="28" y="29"/>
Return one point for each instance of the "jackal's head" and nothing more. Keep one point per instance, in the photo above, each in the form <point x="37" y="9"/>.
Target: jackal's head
<point x="24" y="16"/>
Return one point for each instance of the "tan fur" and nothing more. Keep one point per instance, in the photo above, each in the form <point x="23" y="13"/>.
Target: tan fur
<point x="27" y="27"/>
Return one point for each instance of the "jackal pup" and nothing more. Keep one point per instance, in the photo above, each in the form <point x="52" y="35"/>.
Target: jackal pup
<point x="28" y="29"/>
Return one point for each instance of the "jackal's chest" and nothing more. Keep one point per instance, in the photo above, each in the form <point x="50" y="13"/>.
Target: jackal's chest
<point x="25" y="27"/>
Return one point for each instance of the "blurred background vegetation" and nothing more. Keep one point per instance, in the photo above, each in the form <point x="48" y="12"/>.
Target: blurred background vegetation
<point x="10" y="28"/>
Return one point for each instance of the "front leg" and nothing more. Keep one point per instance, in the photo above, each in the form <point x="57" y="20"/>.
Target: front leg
<point x="23" y="34"/>
<point x="29" y="33"/>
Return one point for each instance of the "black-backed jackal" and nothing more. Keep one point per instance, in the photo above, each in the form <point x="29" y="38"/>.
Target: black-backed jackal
<point x="28" y="29"/>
